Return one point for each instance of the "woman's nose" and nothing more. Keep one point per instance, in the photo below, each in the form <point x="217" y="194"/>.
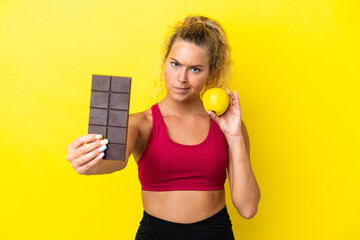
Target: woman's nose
<point x="182" y="75"/>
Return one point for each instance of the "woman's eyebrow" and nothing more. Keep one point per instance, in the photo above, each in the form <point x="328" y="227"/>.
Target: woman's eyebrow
<point x="199" y="65"/>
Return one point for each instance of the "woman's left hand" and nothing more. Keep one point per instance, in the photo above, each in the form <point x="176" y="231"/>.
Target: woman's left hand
<point x="230" y="121"/>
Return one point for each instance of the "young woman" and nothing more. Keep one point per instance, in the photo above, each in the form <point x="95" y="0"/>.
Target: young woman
<point x="182" y="151"/>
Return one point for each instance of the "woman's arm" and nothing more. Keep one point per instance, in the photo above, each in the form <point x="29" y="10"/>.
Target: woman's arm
<point x="245" y="192"/>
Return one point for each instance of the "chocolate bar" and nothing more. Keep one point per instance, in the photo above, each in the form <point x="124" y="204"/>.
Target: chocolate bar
<point x="109" y="112"/>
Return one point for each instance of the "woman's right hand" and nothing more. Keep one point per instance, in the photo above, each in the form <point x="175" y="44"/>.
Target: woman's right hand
<point x="86" y="152"/>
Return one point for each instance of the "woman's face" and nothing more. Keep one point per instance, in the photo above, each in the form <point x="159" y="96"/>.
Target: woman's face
<point x="186" y="70"/>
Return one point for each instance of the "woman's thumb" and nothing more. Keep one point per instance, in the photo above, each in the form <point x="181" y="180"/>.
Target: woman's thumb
<point x="214" y="116"/>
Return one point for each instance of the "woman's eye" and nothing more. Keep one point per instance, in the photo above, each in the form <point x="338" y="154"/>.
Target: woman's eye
<point x="174" y="64"/>
<point x="194" y="69"/>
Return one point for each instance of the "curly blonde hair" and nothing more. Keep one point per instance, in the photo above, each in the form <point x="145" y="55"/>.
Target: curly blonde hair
<point x="203" y="32"/>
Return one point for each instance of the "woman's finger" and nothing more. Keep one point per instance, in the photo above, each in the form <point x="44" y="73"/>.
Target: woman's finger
<point x="84" y="139"/>
<point x="83" y="160"/>
<point x="214" y="117"/>
<point x="89" y="164"/>
<point x="85" y="149"/>
<point x="230" y="97"/>
<point x="237" y="101"/>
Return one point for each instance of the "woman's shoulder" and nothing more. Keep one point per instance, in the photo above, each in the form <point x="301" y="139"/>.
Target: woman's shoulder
<point x="140" y="117"/>
<point x="142" y="121"/>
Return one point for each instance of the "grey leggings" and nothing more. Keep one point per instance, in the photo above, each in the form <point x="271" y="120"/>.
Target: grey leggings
<point x="217" y="227"/>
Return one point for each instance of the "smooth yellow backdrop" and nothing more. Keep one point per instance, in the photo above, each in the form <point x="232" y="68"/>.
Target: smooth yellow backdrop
<point x="296" y="69"/>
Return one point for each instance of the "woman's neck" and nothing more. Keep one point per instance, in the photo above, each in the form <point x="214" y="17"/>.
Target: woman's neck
<point x="182" y="109"/>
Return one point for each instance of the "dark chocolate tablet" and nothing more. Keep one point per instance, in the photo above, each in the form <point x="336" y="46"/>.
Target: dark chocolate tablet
<point x="109" y="112"/>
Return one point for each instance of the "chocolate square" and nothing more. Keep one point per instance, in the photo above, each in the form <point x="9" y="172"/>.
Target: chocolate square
<point x="97" y="129"/>
<point x="99" y="100"/>
<point x="100" y="83"/>
<point x="98" y="116"/>
<point x="116" y="152"/>
<point x="119" y="101"/>
<point x="118" y="118"/>
<point x="117" y="135"/>
<point x="120" y="84"/>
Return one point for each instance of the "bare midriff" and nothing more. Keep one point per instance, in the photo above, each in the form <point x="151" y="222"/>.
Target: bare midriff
<point x="183" y="206"/>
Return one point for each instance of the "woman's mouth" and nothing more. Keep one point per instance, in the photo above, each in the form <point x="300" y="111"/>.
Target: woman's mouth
<point x="181" y="90"/>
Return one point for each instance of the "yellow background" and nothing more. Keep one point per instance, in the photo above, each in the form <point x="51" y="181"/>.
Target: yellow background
<point x="296" y="68"/>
